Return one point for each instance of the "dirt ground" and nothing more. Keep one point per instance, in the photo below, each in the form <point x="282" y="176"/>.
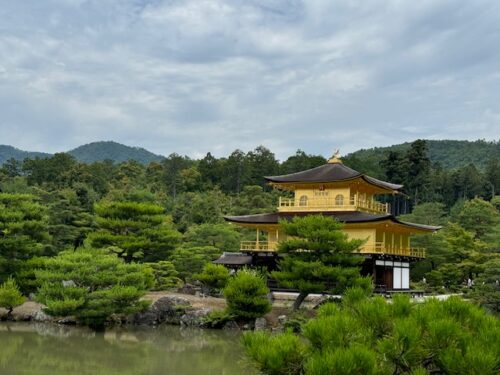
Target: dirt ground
<point x="27" y="308"/>
<point x="196" y="301"/>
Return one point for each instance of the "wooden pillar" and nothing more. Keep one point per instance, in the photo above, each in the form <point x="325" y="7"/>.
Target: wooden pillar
<point x="257" y="243"/>
<point x="383" y="240"/>
<point x="392" y="241"/>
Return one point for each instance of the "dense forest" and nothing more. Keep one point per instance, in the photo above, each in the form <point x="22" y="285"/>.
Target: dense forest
<point x="169" y="214"/>
<point x="449" y="154"/>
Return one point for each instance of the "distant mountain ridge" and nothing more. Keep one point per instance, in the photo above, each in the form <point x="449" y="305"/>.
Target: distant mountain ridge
<point x="9" y="152"/>
<point x="88" y="153"/>
<point x="109" y="150"/>
<point x="449" y="154"/>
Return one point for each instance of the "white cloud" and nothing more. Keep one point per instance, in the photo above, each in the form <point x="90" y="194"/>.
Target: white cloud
<point x="215" y="75"/>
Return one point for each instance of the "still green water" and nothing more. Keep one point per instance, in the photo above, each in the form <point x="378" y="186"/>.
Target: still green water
<point x="45" y="349"/>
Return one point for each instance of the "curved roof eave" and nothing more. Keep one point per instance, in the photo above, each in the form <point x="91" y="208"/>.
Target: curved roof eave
<point x="431" y="228"/>
<point x="269" y="218"/>
<point x="381" y="184"/>
<point x="346" y="217"/>
<point x="328" y="173"/>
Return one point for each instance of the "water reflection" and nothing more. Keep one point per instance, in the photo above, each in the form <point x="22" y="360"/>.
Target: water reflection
<point x="50" y="349"/>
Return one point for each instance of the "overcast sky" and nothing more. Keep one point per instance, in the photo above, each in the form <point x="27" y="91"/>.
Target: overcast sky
<point x="215" y="75"/>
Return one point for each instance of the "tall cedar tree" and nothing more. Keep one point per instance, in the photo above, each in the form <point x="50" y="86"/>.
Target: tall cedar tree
<point x="135" y="231"/>
<point x="395" y="167"/>
<point x="300" y="162"/>
<point x="419" y="167"/>
<point x="173" y="166"/>
<point x="317" y="257"/>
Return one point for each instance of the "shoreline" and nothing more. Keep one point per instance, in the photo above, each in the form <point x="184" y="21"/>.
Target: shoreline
<point x="33" y="311"/>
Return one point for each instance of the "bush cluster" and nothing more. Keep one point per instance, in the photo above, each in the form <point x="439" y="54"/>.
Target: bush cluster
<point x="371" y="336"/>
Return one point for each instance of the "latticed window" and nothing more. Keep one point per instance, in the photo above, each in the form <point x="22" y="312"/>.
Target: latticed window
<point x="339" y="200"/>
<point x="303" y="200"/>
<point x="321" y="193"/>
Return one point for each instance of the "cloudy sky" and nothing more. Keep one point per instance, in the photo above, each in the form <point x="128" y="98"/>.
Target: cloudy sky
<point x="194" y="76"/>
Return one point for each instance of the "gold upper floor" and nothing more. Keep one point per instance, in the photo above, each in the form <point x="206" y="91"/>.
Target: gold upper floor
<point x="335" y="203"/>
<point x="332" y="198"/>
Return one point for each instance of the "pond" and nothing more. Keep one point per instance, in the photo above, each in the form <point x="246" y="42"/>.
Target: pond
<point x="47" y="349"/>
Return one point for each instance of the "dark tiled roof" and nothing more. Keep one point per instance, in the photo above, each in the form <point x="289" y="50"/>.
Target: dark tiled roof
<point x="236" y="259"/>
<point x="331" y="172"/>
<point x="257" y="219"/>
<point x="272" y="218"/>
<point x="421" y="226"/>
<point x="381" y="183"/>
<point x="345" y="217"/>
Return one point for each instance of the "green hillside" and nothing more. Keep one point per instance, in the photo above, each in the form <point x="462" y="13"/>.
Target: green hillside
<point x="450" y="154"/>
<point x="108" y="150"/>
<point x="9" y="152"/>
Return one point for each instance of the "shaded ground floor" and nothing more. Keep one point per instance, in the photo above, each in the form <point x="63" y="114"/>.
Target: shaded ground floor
<point x="389" y="272"/>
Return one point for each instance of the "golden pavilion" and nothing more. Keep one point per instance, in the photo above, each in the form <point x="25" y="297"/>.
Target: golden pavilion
<point x="334" y="189"/>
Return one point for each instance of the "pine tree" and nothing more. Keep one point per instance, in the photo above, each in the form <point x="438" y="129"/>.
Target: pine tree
<point x="92" y="285"/>
<point x="23" y="232"/>
<point x="135" y="231"/>
<point x="317" y="257"/>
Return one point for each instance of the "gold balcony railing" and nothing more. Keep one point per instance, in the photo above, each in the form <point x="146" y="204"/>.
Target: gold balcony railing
<point x="258" y="246"/>
<point x="331" y="204"/>
<point x="380" y="248"/>
<point x="377" y="248"/>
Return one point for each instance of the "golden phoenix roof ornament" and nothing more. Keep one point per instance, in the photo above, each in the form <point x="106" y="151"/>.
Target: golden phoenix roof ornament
<point x="335" y="159"/>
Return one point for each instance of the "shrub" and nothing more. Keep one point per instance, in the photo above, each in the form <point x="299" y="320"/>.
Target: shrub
<point x="366" y="336"/>
<point x="334" y="331"/>
<point x="275" y="355"/>
<point x="214" y="276"/>
<point x="189" y="261"/>
<point x="10" y="296"/>
<point x="374" y="315"/>
<point x="295" y="321"/>
<point x="165" y="275"/>
<point x="403" y="350"/>
<point x="353" y="360"/>
<point x="217" y="319"/>
<point x="401" y="306"/>
<point x="246" y="295"/>
<point x="328" y="309"/>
